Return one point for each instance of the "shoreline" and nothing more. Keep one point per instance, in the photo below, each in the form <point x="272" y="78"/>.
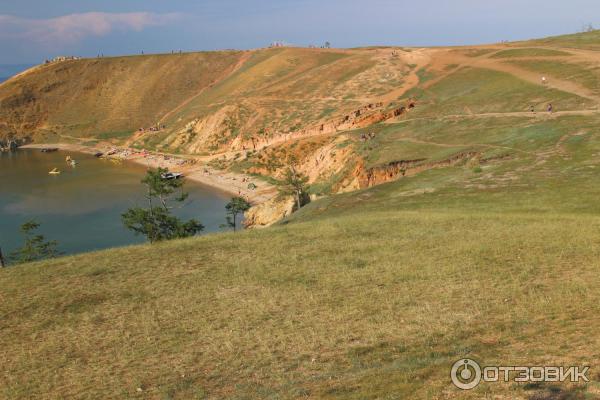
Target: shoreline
<point x="193" y="169"/>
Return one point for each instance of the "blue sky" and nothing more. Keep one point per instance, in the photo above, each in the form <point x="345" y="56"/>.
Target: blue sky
<point x="32" y="30"/>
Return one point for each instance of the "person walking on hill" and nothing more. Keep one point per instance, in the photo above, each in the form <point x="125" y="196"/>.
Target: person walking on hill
<point x="550" y="108"/>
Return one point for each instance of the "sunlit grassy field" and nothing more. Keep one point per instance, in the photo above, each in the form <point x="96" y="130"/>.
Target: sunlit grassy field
<point x="377" y="304"/>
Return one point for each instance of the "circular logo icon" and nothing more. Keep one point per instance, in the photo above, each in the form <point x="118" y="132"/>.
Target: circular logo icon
<point x="465" y="374"/>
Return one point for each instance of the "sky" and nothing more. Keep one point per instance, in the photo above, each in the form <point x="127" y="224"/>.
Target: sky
<point x="33" y="30"/>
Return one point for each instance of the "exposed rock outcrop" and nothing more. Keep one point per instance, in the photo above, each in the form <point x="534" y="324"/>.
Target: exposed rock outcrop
<point x="203" y="134"/>
<point x="268" y="213"/>
<point x="365" y="116"/>
<point x="369" y="177"/>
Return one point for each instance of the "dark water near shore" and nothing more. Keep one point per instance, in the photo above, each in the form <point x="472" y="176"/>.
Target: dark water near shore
<point x="81" y="207"/>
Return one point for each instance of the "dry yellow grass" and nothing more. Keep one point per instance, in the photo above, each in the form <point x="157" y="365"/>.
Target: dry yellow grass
<point x="367" y="306"/>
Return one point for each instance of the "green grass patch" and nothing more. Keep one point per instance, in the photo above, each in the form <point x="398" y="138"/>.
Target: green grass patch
<point x="475" y="91"/>
<point x="584" y="74"/>
<point x="532" y="52"/>
<point x="113" y="135"/>
<point x="586" y="40"/>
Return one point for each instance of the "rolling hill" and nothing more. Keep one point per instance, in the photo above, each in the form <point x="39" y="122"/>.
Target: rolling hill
<point x="450" y="220"/>
<point x="257" y="111"/>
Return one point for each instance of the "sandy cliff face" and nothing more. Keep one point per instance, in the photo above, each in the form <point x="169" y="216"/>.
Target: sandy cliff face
<point x="205" y="134"/>
<point x="268" y="213"/>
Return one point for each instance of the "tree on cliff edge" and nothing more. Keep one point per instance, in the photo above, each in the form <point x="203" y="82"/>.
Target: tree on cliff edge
<point x="295" y="184"/>
<point x="237" y="206"/>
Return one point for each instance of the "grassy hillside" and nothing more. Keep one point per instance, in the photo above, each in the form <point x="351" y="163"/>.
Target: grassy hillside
<point x="284" y="313"/>
<point x="90" y="97"/>
<point x="468" y="227"/>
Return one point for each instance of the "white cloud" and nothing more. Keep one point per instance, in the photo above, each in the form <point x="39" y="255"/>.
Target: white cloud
<point x="73" y="28"/>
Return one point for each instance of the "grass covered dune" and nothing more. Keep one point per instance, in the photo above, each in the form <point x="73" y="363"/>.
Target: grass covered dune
<point x="364" y="306"/>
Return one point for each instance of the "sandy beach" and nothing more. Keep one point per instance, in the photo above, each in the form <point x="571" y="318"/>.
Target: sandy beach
<point x="193" y="168"/>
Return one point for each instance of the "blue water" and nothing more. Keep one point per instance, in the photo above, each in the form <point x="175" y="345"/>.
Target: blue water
<point x="81" y="207"/>
<point x="8" y="70"/>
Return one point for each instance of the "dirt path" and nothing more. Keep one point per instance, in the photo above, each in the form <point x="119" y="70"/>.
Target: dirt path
<point x="454" y="145"/>
<point x="590" y="56"/>
<point x="527" y="114"/>
<point x="448" y="57"/>
<point x="420" y="58"/>
<point x="534" y="77"/>
<point x="292" y="137"/>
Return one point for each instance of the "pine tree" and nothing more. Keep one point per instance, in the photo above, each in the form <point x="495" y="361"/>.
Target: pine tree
<point x="156" y="221"/>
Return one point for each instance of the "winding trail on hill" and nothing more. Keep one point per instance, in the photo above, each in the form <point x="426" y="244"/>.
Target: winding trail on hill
<point x="422" y="58"/>
<point x="487" y="61"/>
<point x="527" y="114"/>
<point x="291" y="137"/>
<point x="455" y="145"/>
<point x="535" y="77"/>
<point x="575" y="54"/>
<point x="419" y="58"/>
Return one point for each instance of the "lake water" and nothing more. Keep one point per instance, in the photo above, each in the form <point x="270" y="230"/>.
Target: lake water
<point x="8" y="70"/>
<point x="81" y="208"/>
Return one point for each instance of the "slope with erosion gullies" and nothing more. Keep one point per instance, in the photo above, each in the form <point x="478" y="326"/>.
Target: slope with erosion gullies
<point x="349" y="119"/>
<point x="282" y="92"/>
<point x="470" y="108"/>
<point x="374" y="138"/>
<point x="92" y="97"/>
<point x="250" y="93"/>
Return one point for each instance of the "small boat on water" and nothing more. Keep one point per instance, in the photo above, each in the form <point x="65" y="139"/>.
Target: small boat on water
<point x="49" y="149"/>
<point x="171" y="175"/>
<point x="55" y="171"/>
